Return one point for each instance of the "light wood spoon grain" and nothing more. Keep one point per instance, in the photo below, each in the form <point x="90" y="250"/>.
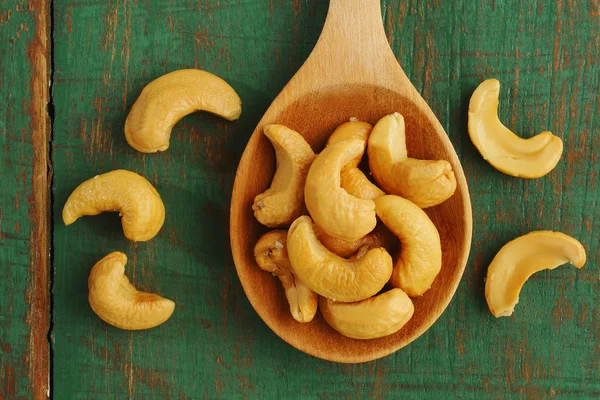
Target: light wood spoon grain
<point x="351" y="72"/>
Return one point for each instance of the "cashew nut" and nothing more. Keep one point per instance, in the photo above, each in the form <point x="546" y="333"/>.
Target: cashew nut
<point x="353" y="180"/>
<point x="124" y="191"/>
<point x="271" y="255"/>
<point x="505" y="151"/>
<point x="118" y="302"/>
<point x="380" y="237"/>
<point x="522" y="257"/>
<point x="351" y="130"/>
<point x="424" y="182"/>
<point x="333" y="209"/>
<point x="165" y="100"/>
<point x="420" y="257"/>
<point x="331" y="275"/>
<point x="372" y="318"/>
<point x="283" y="202"/>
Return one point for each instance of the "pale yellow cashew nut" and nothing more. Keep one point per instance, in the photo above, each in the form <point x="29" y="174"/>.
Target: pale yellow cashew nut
<point x="420" y="257"/>
<point x="338" y="213"/>
<point x="167" y="99"/>
<point x="522" y="257"/>
<point x="271" y="255"/>
<point x="379" y="237"/>
<point x="136" y="200"/>
<point x="353" y="180"/>
<point x="116" y="301"/>
<point x="356" y="183"/>
<point x="283" y="202"/>
<point x="352" y="130"/>
<point x="424" y="182"/>
<point x="331" y="275"/>
<point x="505" y="151"/>
<point x="376" y="317"/>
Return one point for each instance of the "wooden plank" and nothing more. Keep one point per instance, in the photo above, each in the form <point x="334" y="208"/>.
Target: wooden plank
<point x="24" y="200"/>
<point x="544" y="53"/>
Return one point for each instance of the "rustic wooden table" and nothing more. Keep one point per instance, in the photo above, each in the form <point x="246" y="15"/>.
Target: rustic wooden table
<point x="97" y="55"/>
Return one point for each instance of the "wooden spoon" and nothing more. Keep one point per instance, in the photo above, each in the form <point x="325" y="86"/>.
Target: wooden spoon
<point x="351" y="72"/>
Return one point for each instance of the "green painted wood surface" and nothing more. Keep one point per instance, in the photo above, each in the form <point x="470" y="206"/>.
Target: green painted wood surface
<point x="215" y="346"/>
<point x="24" y="199"/>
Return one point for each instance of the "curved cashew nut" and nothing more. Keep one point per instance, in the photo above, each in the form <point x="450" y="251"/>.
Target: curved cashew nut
<point x="356" y="183"/>
<point x="167" y="99"/>
<point x="333" y="209"/>
<point x="124" y="191"/>
<point x="372" y="318"/>
<point x="424" y="182"/>
<point x="118" y="302"/>
<point x="271" y="255"/>
<point x="420" y="257"/>
<point x="351" y="130"/>
<point x="283" y="202"/>
<point x="522" y="257"/>
<point x="380" y="237"/>
<point x="505" y="151"/>
<point x="353" y="180"/>
<point x="331" y="275"/>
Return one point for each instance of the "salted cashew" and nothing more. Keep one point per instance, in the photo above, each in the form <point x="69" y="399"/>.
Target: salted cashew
<point x="167" y="99"/>
<point x="505" y="151"/>
<point x="116" y="301"/>
<point x="420" y="257"/>
<point x="376" y="317"/>
<point x="424" y="182"/>
<point x="379" y="237"/>
<point x="136" y="200"/>
<point x="522" y="257"/>
<point x="271" y="255"/>
<point x="331" y="275"/>
<point x="353" y="180"/>
<point x="339" y="214"/>
<point x="283" y="202"/>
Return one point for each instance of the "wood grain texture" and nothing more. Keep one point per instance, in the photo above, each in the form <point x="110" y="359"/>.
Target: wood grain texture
<point x="215" y="346"/>
<point x="24" y="200"/>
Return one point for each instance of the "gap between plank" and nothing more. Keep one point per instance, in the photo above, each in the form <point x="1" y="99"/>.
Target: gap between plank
<point x="50" y="175"/>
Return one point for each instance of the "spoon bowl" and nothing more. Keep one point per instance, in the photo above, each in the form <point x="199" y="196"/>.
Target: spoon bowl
<point x="338" y="82"/>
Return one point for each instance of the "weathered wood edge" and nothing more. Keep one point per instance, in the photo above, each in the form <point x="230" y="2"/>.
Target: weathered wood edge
<point x="38" y="288"/>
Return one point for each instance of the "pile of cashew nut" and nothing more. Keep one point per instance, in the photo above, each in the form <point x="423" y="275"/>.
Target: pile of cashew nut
<point x="161" y="104"/>
<point x="343" y="256"/>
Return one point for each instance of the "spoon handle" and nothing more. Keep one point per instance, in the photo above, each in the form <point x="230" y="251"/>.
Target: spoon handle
<point x="353" y="45"/>
<point x="354" y="21"/>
